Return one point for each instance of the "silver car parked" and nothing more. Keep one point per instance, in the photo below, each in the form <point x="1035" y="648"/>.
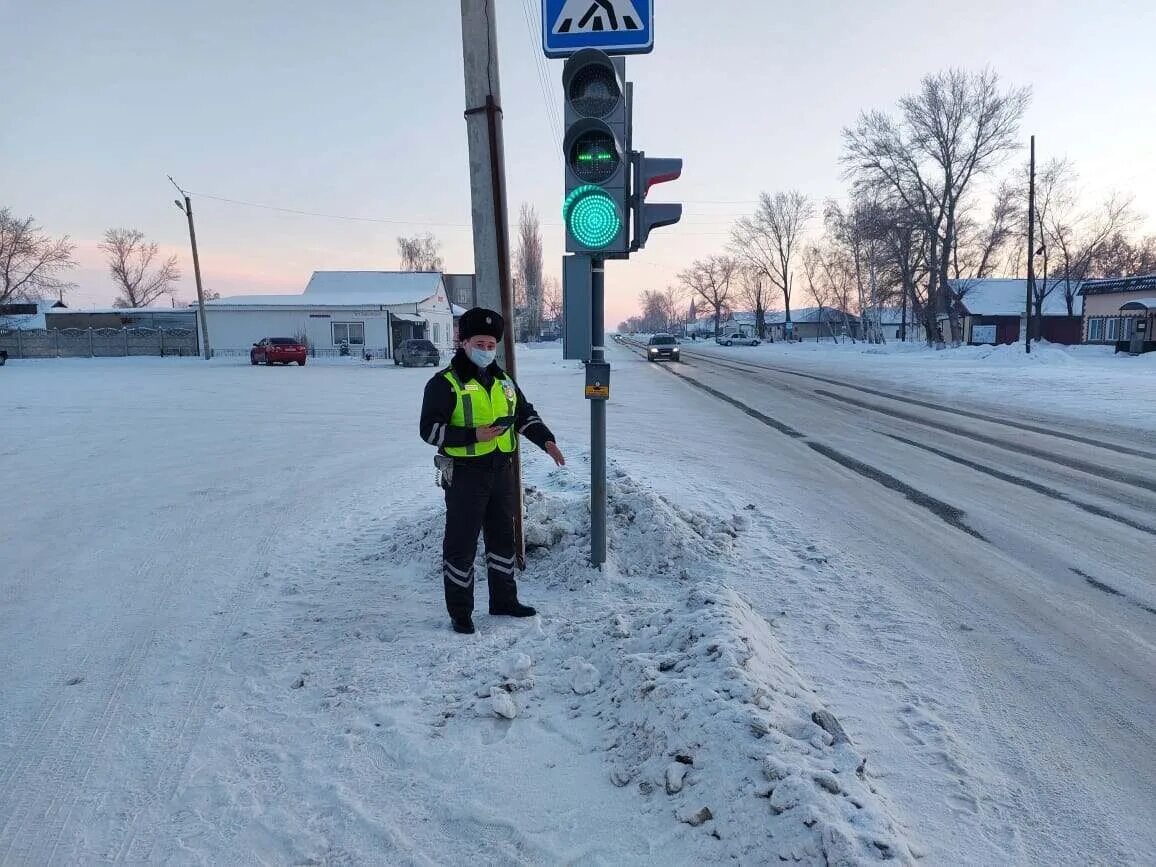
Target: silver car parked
<point x="739" y="339"/>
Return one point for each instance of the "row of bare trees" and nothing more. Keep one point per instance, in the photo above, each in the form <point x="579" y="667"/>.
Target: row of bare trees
<point x="34" y="265"/>
<point x="927" y="216"/>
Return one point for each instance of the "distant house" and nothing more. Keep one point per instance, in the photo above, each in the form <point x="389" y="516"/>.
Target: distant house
<point x="898" y="324"/>
<point x="993" y="312"/>
<point x="812" y="323"/>
<point x="26" y="315"/>
<point x="1117" y="309"/>
<point x="367" y="311"/>
<point x="739" y="322"/>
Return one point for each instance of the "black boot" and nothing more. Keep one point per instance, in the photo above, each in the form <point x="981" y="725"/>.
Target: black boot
<point x="512" y="609"/>
<point x="464" y="625"/>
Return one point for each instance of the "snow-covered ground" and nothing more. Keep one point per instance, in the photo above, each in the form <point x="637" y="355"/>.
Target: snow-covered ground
<point x="223" y="640"/>
<point x="1078" y="382"/>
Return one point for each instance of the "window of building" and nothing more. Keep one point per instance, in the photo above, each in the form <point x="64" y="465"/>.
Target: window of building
<point x="352" y="333"/>
<point x="437" y="331"/>
<point x="1128" y="327"/>
<point x="1095" y="329"/>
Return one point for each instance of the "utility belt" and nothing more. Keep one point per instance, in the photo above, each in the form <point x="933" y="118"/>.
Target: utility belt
<point x="446" y="465"/>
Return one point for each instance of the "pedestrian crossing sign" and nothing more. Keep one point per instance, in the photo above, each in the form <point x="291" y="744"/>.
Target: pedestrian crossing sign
<point x="613" y="26"/>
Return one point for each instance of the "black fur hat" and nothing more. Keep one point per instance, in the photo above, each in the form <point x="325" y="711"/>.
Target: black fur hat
<point x="479" y="320"/>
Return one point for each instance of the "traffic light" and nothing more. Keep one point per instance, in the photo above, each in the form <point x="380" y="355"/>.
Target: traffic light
<point x="596" y="152"/>
<point x="649" y="171"/>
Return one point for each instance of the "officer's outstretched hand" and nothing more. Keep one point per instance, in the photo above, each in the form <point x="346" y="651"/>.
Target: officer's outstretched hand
<point x="556" y="453"/>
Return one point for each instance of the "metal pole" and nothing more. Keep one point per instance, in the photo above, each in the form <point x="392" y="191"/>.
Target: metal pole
<point x="1031" y="249"/>
<point x="488" y="196"/>
<point x="597" y="419"/>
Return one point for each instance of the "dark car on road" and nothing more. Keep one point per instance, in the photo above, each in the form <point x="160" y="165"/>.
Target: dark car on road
<point x="417" y="352"/>
<point x="278" y="350"/>
<point x="662" y="346"/>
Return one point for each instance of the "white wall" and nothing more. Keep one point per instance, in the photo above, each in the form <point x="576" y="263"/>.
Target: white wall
<point x="440" y="316"/>
<point x="235" y="331"/>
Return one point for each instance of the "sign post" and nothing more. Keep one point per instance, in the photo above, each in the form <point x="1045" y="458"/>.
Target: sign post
<point x="604" y="210"/>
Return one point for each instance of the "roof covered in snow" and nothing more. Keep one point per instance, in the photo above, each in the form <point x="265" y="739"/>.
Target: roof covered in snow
<point x="1006" y="297"/>
<point x="1119" y="284"/>
<point x="385" y="287"/>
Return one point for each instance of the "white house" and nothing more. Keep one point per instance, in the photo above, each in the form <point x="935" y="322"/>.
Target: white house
<point x="371" y="311"/>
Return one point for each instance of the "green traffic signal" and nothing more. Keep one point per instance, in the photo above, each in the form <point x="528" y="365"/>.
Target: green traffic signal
<point x="591" y="216"/>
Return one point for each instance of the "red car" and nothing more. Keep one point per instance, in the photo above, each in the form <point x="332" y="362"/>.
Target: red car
<point x="278" y="350"/>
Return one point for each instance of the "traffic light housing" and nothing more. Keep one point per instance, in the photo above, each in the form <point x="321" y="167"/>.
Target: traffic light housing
<point x="596" y="153"/>
<point x="647" y="172"/>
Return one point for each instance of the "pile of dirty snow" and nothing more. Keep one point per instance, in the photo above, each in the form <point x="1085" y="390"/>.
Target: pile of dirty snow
<point x="647" y="714"/>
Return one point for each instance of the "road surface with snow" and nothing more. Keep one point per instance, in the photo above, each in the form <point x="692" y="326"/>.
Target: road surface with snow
<point x="223" y="636"/>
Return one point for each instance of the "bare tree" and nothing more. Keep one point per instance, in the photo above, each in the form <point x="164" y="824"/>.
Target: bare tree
<point x="420" y="253"/>
<point x="551" y="299"/>
<point x="661" y="311"/>
<point x="710" y="279"/>
<point x="529" y="267"/>
<point x="755" y="294"/>
<point x="1080" y="238"/>
<point x="955" y="129"/>
<point x="767" y="241"/>
<point x="132" y="261"/>
<point x="31" y="262"/>
<point x="831" y="278"/>
<point x="1122" y="257"/>
<point x="674" y="298"/>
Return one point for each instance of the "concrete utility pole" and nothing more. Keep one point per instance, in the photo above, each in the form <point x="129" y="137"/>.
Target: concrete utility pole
<point x="488" y="193"/>
<point x="187" y="207"/>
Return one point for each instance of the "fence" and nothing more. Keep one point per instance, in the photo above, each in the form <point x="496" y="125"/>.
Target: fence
<point x="99" y="342"/>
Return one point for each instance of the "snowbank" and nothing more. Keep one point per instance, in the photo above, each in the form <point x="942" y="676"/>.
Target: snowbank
<point x="648" y="714"/>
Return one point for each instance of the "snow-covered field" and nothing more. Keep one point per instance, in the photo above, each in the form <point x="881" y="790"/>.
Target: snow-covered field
<point x="223" y="638"/>
<point x="1079" y="382"/>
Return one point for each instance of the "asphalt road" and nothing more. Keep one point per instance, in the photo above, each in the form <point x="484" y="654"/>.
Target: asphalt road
<point x="1024" y="559"/>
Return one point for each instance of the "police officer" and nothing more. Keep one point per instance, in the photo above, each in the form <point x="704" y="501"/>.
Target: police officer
<point x="474" y="413"/>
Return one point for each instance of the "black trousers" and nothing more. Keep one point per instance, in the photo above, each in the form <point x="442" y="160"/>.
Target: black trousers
<point x="481" y="498"/>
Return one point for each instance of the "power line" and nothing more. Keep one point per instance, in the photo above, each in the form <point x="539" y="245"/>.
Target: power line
<point x="403" y="222"/>
<point x="347" y="217"/>
<point x="552" y="114"/>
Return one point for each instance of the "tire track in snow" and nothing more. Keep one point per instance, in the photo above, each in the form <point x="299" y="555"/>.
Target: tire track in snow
<point x="951" y="515"/>
<point x="938" y="407"/>
<point x="50" y="774"/>
<point x="176" y="747"/>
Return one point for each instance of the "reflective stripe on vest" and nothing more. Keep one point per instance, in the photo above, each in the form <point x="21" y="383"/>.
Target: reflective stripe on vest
<point x="475" y="407"/>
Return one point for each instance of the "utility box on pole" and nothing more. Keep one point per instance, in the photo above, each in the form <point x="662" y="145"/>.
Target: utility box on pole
<point x="576" y="308"/>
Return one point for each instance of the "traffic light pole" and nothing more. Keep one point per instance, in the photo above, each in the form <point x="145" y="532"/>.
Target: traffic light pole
<point x="597" y="419"/>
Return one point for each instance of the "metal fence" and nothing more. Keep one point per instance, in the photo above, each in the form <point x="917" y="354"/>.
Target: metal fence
<point x="99" y="342"/>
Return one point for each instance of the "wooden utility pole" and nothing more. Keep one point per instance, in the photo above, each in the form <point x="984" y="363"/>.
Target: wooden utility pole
<point x="488" y="193"/>
<point x="1031" y="250"/>
<point x="187" y="208"/>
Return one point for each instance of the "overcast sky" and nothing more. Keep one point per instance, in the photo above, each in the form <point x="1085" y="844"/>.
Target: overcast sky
<point x="355" y="109"/>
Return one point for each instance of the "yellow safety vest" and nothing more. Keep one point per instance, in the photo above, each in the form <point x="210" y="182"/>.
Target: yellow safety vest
<point x="476" y="407"/>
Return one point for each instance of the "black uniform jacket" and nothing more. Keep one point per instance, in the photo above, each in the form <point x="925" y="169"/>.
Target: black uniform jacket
<point x="438" y="408"/>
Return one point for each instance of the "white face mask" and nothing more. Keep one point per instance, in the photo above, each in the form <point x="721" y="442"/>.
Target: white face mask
<point x="483" y="358"/>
